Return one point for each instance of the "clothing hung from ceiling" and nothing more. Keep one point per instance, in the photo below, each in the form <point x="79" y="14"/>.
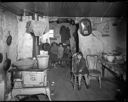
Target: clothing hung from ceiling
<point x="25" y="45"/>
<point x="91" y="44"/>
<point x="38" y="28"/>
<point x="65" y="34"/>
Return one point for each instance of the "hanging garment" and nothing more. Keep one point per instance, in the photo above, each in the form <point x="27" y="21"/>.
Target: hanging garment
<point x="65" y="33"/>
<point x="37" y="27"/>
<point x="68" y="33"/>
<point x="25" y="42"/>
<point x="27" y="46"/>
<point x="46" y="36"/>
<point x="90" y="44"/>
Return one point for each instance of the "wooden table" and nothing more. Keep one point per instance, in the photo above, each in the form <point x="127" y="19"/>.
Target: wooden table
<point x="116" y="68"/>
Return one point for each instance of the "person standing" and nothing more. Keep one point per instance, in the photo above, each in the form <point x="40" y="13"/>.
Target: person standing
<point x="54" y="54"/>
<point x="60" y="53"/>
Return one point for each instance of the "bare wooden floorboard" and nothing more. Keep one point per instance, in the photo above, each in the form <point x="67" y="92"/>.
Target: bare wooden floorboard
<point x="64" y="89"/>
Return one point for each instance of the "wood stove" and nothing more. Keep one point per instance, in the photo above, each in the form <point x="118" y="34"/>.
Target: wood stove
<point x="29" y="82"/>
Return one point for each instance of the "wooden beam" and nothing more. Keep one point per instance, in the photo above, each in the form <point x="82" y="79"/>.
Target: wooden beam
<point x="35" y="41"/>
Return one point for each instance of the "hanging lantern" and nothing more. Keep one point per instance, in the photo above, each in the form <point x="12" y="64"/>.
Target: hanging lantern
<point x="85" y="27"/>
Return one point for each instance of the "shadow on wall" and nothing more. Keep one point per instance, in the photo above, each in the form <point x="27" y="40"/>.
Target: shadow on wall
<point x="8" y="22"/>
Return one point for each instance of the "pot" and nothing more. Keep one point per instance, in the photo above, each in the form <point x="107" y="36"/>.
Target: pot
<point x="24" y="63"/>
<point x="105" y="56"/>
<point x="119" y="58"/>
<point x="110" y="58"/>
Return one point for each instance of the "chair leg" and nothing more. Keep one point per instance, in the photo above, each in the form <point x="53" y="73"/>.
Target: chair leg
<point x="79" y="81"/>
<point x="72" y="77"/>
<point x="66" y="75"/>
<point x="75" y="81"/>
<point x="100" y="81"/>
<point x="87" y="79"/>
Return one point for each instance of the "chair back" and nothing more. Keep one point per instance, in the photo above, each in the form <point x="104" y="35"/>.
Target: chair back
<point x="74" y="63"/>
<point x="92" y="61"/>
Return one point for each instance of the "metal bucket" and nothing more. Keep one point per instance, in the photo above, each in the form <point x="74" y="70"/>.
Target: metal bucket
<point x="42" y="61"/>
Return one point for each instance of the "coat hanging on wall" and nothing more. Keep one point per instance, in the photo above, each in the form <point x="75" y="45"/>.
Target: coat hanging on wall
<point x="65" y="33"/>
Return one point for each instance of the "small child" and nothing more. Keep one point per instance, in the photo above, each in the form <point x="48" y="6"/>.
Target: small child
<point x="60" y="53"/>
<point x="53" y="54"/>
<point x="82" y="70"/>
<point x="79" y="68"/>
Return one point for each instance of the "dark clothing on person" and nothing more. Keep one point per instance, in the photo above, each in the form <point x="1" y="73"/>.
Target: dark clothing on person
<point x="53" y="58"/>
<point x="66" y="52"/>
<point x="53" y="53"/>
<point x="82" y="66"/>
<point x="54" y="49"/>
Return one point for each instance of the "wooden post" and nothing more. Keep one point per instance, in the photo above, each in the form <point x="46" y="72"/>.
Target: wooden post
<point x="35" y="41"/>
<point x="38" y="50"/>
<point x="34" y="51"/>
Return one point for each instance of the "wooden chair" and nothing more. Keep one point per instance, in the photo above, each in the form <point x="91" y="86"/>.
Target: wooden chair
<point x="75" y="77"/>
<point x="92" y="61"/>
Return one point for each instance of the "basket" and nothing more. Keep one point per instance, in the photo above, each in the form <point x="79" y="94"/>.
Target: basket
<point x="24" y="64"/>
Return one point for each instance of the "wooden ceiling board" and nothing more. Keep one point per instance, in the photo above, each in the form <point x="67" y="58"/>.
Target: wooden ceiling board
<point x="68" y="9"/>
